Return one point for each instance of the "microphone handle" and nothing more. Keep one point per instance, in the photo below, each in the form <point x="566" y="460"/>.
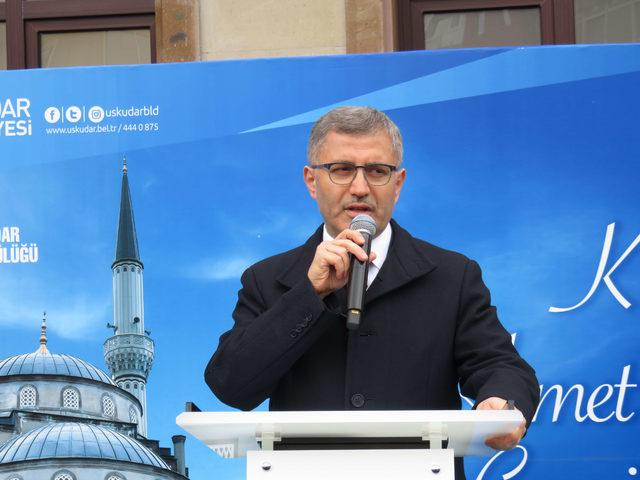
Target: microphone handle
<point x="357" y="285"/>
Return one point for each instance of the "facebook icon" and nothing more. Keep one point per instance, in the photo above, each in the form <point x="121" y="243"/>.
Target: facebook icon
<point x="52" y="114"/>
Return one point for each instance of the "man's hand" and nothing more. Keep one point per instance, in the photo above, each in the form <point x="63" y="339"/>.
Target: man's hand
<point x="508" y="440"/>
<point x="329" y="270"/>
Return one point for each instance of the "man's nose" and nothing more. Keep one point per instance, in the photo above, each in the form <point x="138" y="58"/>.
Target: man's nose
<point x="359" y="185"/>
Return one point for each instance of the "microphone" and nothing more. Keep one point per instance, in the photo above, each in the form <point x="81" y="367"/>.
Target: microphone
<point x="358" y="272"/>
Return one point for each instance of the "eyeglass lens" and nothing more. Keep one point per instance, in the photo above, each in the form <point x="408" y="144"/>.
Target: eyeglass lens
<point x="344" y="173"/>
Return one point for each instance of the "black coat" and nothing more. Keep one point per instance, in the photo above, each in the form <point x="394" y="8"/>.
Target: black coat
<point x="428" y="324"/>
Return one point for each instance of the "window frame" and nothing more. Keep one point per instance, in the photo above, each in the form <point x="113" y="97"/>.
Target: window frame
<point x="33" y="29"/>
<point x="114" y="474"/>
<point x="64" y="471"/>
<point x="77" y="391"/>
<point x="3" y="14"/>
<point x="105" y="397"/>
<point x="3" y="20"/>
<point x="26" y="19"/>
<point x="133" y="412"/>
<point x="557" y="25"/>
<point x="23" y="388"/>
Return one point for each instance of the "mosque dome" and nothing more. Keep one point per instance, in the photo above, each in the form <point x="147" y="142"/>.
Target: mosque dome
<point x="77" y="440"/>
<point x="42" y="362"/>
<point x="57" y="384"/>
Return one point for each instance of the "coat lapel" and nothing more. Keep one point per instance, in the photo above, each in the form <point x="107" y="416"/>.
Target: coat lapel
<point x="296" y="270"/>
<point x="404" y="263"/>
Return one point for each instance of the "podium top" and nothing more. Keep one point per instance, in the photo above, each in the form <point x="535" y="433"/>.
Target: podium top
<point x="232" y="434"/>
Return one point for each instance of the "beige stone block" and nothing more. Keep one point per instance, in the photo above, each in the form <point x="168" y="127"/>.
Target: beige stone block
<point x="364" y="26"/>
<point x="268" y="53"/>
<point x="243" y="28"/>
<point x="369" y="26"/>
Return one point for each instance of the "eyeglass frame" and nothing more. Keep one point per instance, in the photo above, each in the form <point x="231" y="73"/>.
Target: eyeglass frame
<point x="327" y="167"/>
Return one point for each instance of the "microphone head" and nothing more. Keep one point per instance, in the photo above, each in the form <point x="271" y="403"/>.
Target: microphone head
<point x="364" y="222"/>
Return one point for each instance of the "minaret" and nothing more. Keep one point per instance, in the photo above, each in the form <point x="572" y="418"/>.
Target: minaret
<point x="129" y="352"/>
<point x="43" y="335"/>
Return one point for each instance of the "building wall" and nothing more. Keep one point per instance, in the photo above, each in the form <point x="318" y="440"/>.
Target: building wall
<point x="85" y="469"/>
<point x="25" y="421"/>
<point x="271" y="28"/>
<point x="190" y="30"/>
<point x="49" y="398"/>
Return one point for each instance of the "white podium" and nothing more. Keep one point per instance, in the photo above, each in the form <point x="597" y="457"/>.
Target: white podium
<point x="372" y="445"/>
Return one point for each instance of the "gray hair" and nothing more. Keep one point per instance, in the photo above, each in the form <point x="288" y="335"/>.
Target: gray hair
<point x="353" y="121"/>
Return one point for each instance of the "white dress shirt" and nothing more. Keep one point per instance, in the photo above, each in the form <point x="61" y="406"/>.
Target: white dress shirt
<point x="380" y="246"/>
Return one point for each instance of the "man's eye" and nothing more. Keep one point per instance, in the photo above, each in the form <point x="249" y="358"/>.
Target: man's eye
<point x="377" y="170"/>
<point x="342" y="169"/>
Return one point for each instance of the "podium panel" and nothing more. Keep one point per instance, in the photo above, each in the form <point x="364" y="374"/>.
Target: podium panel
<point x="233" y="434"/>
<point x="337" y="445"/>
<point x="350" y="464"/>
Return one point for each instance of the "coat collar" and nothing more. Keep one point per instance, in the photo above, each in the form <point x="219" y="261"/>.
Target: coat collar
<point x="405" y="262"/>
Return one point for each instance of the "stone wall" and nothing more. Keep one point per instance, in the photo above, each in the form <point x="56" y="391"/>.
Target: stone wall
<point x="233" y="29"/>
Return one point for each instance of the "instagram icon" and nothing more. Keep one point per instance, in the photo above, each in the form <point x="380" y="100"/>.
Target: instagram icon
<point x="96" y="114"/>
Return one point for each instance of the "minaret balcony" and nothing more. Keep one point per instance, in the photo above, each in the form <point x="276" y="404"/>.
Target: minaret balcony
<point x="129" y="354"/>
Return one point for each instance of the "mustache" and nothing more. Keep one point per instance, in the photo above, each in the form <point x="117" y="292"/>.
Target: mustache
<point x="359" y="205"/>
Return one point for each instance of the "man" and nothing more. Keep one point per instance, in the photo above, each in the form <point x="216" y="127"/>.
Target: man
<point x="427" y="326"/>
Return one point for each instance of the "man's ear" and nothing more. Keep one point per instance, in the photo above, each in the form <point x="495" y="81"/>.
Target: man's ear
<point x="399" y="182"/>
<point x="309" y="175"/>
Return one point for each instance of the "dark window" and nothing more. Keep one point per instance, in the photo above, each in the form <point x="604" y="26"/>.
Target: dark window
<point x="482" y="28"/>
<point x="3" y="45"/>
<point x="70" y="398"/>
<point x="607" y="21"/>
<point x="433" y="24"/>
<point x="48" y="33"/>
<point x="28" y="397"/>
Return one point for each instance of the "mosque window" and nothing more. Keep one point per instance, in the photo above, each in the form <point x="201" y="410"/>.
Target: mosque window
<point x="70" y="398"/>
<point x="114" y="476"/>
<point x="133" y="415"/>
<point x="108" y="407"/>
<point x="64" y="475"/>
<point x="28" y="396"/>
<point x="124" y="269"/>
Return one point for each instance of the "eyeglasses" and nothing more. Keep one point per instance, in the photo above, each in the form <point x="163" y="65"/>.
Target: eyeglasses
<point x="343" y="173"/>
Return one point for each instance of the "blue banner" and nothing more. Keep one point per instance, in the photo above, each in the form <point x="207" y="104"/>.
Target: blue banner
<point x="524" y="159"/>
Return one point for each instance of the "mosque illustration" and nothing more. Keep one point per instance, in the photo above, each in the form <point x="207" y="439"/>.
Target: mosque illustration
<point x="61" y="418"/>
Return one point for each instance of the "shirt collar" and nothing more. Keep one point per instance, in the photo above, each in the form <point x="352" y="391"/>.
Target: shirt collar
<point x="380" y="244"/>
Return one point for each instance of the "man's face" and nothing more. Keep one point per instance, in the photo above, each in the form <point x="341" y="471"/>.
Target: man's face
<point x="339" y="204"/>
